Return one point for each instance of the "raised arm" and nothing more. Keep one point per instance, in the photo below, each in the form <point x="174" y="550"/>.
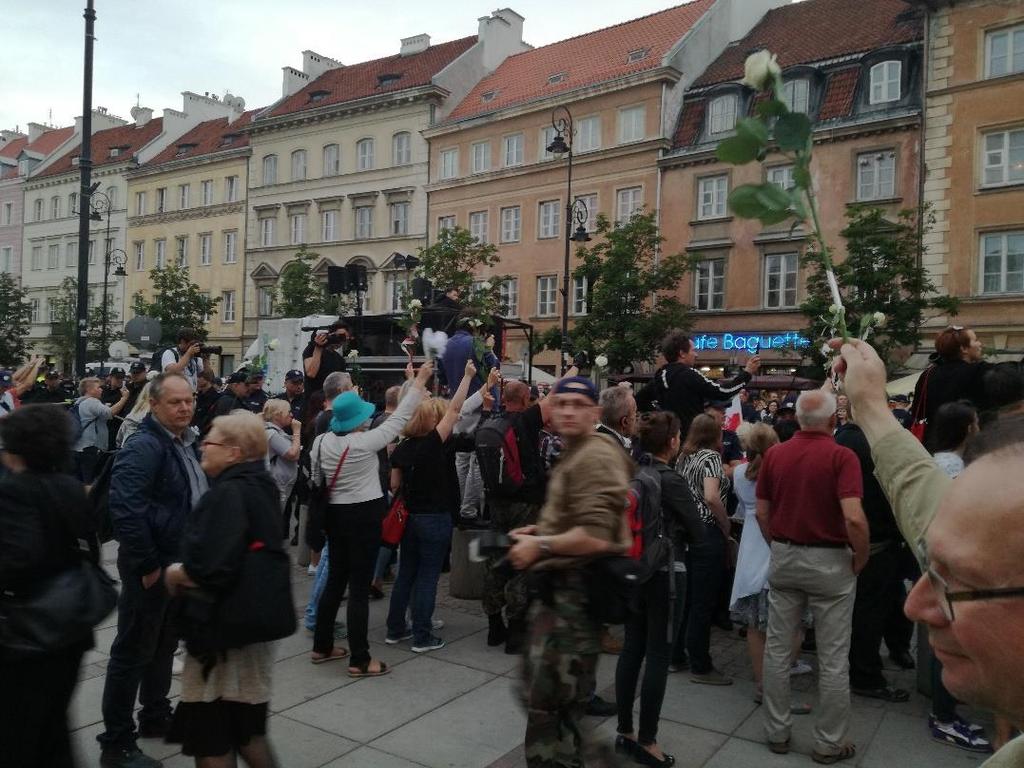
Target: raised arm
<point x="376" y="439"/>
<point x="444" y="427"/>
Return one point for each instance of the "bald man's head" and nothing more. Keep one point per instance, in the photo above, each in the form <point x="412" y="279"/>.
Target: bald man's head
<point x="517" y="396"/>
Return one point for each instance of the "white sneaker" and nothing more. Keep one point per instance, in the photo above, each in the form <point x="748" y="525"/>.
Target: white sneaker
<point x="801" y="667"/>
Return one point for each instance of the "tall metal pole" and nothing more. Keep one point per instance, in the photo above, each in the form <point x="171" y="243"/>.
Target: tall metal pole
<point x="564" y="131"/>
<point x="84" y="196"/>
<point x="106" y="277"/>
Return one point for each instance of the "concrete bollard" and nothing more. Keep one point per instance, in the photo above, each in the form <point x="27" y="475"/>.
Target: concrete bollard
<point x="466" y="581"/>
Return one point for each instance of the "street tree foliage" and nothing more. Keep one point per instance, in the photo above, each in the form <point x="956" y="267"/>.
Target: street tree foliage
<point x="15" y="321"/>
<point x="301" y="293"/>
<point x="631" y="294"/>
<point x="881" y="273"/>
<point x="61" y="342"/>
<point x="176" y="302"/>
<point x="455" y="260"/>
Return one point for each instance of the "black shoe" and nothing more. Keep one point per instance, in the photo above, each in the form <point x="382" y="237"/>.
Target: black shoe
<point x="642" y="757"/>
<point x="515" y="641"/>
<point x="598" y="707"/>
<point x="497" y="632"/>
<point x="155" y="729"/>
<point x="903" y="660"/>
<point x="127" y="757"/>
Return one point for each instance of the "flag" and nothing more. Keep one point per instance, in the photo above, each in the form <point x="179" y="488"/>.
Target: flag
<point x="734" y="415"/>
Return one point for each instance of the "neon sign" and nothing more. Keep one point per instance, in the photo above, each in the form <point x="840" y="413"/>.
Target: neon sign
<point x="743" y="341"/>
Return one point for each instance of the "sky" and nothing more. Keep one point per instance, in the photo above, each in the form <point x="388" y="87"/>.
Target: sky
<point x="155" y="49"/>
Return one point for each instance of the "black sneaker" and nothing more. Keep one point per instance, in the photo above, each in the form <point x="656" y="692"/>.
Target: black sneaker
<point x="433" y="644"/>
<point x="127" y="757"/>
<point x="155" y="729"/>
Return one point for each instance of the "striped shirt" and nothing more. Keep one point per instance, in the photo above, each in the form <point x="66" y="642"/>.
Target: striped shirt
<point x="694" y="469"/>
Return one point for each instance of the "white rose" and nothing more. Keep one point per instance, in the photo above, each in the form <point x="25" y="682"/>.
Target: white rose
<point x="415" y="304"/>
<point x="826" y="350"/>
<point x="485" y="286"/>
<point x="352" y="354"/>
<point x="879" y="319"/>
<point x="601" y="361"/>
<point x="834" y="309"/>
<point x="760" y="69"/>
<point x="272" y="344"/>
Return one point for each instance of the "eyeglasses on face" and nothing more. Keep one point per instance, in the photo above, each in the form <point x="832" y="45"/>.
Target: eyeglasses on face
<point x="947" y="597"/>
<point x="205" y="443"/>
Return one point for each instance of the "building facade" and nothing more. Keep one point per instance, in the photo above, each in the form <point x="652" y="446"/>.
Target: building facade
<point x="339" y="164"/>
<point x="974" y="165"/>
<point x="491" y="172"/>
<point x="859" y="83"/>
<point x="187" y="207"/>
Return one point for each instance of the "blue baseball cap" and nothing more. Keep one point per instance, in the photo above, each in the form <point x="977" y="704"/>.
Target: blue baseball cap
<point x="6" y="379"/>
<point x="577" y="385"/>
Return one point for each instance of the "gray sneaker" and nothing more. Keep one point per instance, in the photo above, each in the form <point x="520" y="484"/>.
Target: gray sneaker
<point x="433" y="644"/>
<point x="127" y="757"/>
<point x="714" y="677"/>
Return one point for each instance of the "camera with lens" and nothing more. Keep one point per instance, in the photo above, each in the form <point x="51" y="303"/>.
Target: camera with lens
<point x="207" y="350"/>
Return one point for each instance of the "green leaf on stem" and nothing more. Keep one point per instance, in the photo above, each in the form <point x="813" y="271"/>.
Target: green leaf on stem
<point x="792" y="131"/>
<point x="771" y="108"/>
<point x="802" y="176"/>
<point x="753" y="129"/>
<point x="738" y="150"/>
<point x="744" y="202"/>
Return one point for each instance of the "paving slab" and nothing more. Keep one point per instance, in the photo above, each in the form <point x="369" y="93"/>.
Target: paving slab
<point x="367" y="757"/>
<point x="711" y="707"/>
<point x="740" y="753"/>
<point x="902" y="741"/>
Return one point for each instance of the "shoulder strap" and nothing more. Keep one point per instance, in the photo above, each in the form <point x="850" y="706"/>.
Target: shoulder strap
<point x="920" y="408"/>
<point x="337" y="469"/>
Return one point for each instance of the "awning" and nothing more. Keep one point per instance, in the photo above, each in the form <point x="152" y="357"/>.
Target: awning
<point x="904" y="385"/>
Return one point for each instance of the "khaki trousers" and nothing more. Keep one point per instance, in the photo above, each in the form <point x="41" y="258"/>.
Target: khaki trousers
<point x="822" y="579"/>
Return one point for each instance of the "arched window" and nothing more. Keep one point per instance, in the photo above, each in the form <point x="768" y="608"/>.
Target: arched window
<point x="112" y="195"/>
<point x="269" y="170"/>
<point x="37" y="209"/>
<point x="55" y="207"/>
<point x="364" y="154"/>
<point x="722" y="114"/>
<point x="299" y="165"/>
<point x="885" y="82"/>
<point x="795" y="93"/>
<point x="332" y="160"/>
<point x="72" y="204"/>
<point x="401" y="148"/>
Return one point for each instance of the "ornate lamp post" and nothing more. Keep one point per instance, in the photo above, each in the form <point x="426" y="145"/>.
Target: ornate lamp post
<point x="101" y="205"/>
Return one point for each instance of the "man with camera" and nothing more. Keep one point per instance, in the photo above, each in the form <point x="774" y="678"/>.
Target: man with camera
<point x="184" y="359"/>
<point x="321" y="358"/>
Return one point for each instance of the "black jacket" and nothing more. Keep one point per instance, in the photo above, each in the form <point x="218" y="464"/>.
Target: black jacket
<point x="680" y="509"/>
<point x="683" y="390"/>
<point x="228" y="402"/>
<point x="241" y="507"/>
<point x="945" y="382"/>
<point x="205" y="403"/>
<point x="881" y="523"/>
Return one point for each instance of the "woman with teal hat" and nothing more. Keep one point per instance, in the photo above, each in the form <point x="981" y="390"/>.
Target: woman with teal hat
<point x="345" y="460"/>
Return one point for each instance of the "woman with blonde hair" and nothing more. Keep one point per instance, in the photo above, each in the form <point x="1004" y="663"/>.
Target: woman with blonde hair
<point x="283" y="448"/>
<point x="131" y="422"/>
<point x="423" y="467"/>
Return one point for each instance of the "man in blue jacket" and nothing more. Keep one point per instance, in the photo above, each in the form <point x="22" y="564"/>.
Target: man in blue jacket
<point x="156" y="480"/>
<point x="462" y="347"/>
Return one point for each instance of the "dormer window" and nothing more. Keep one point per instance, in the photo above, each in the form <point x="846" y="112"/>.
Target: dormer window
<point x="488" y="95"/>
<point x="318" y="95"/>
<point x="885" y="82"/>
<point x="796" y="95"/>
<point x="183" y="149"/>
<point x="387" y="79"/>
<point x="561" y="77"/>
<point x="637" y="55"/>
<point x="722" y="114"/>
<point x="228" y="139"/>
<point x="115" y="151"/>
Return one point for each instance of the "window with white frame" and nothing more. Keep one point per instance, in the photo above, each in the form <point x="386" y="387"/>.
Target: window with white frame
<point x="547" y="296"/>
<point x="781" y="175"/>
<point x="588" y="134"/>
<point x="445" y="222"/>
<point x="181" y="251"/>
<point x="480" y="156"/>
<point x="548" y="218"/>
<point x="510" y="224"/>
<point x="885" y="82"/>
<point x="55" y="207"/>
<point x="230" y="252"/>
<point x="140" y="256"/>
<point x="183" y="195"/>
<point x="547" y="135"/>
<point x="401" y="148"/>
<point x="34" y="303"/>
<point x="270" y="170"/>
<point x="712" y="193"/>
<point x="224" y="359"/>
<point x="161" y="254"/>
<point x="722" y="114"/>
<point x="71" y="255"/>
<point x="512" y="150"/>
<point x="449" y="163"/>
<point x="206" y="192"/>
<point x="140" y="203"/>
<point x="509" y="295"/>
<point x="400" y="218"/>
<point x="161" y="200"/>
<point x="112" y="197"/>
<point x="265" y="301"/>
<point x="627" y="202"/>
<point x="53" y="256"/>
<point x="1003" y="158"/>
<point x="1002" y="262"/>
<point x="709" y="284"/>
<point x="330" y="226"/>
<point x="796" y="95"/>
<point x="876" y="175"/>
<point x="227" y="306"/>
<point x="590" y="202"/>
<point x="267" y="235"/>
<point x="6" y="257"/>
<point x="36" y="262"/>
<point x="478" y="226"/>
<point x="364" y="154"/>
<point x="8" y="213"/>
<point x="332" y="160"/>
<point x="297" y="228"/>
<point x="231" y="189"/>
<point x="394" y="285"/>
<point x="1004" y="51"/>
<point x="780" y="273"/>
<point x="73" y="204"/>
<point x="37" y="209"/>
<point x="205" y="249"/>
<point x="299" y="165"/>
<point x="364" y="222"/>
<point x="632" y="124"/>
<point x="52" y="305"/>
<point x="579" y="296"/>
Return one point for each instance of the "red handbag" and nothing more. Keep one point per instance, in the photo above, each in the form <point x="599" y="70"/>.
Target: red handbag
<point x="919" y="421"/>
<point x="393" y="527"/>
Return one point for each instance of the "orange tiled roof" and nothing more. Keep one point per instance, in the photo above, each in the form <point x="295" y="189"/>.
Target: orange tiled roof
<point x="595" y="57"/>
<point x="129" y="138"/>
<point x="212" y="136"/>
<point x="839" y="93"/>
<point x="51" y="140"/>
<point x="13" y="148"/>
<point x="690" y="123"/>
<point x="360" y="81"/>
<point x="818" y="30"/>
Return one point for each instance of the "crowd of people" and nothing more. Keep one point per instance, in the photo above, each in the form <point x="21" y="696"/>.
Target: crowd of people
<point x="800" y="528"/>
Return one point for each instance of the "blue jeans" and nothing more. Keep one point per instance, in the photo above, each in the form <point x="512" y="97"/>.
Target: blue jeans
<point x="420" y="559"/>
<point x="319" y="582"/>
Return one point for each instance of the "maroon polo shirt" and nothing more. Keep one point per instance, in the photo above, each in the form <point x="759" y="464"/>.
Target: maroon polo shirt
<point x="804" y="479"/>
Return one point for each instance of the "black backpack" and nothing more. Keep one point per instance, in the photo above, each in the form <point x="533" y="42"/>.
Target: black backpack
<point x="157" y="364"/>
<point x="507" y="466"/>
<point x="99" y="498"/>
<point x="652" y="545"/>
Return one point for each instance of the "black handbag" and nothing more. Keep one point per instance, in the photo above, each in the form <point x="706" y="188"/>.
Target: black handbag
<point x="612" y="583"/>
<point x="58" y="614"/>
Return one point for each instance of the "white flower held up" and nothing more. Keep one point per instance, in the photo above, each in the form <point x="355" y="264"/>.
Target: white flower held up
<point x="879" y="319"/>
<point x="415" y="304"/>
<point x="760" y="69"/>
<point x="272" y="344"/>
<point x="485" y="286"/>
<point x="352" y="354"/>
<point x="601" y="361"/>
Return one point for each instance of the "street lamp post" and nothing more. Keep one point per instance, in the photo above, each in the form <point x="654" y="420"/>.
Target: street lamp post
<point x="85" y="166"/>
<point x="101" y="205"/>
<point x="561" y="121"/>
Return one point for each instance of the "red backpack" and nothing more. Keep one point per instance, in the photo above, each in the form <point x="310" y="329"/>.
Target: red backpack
<point x="652" y="544"/>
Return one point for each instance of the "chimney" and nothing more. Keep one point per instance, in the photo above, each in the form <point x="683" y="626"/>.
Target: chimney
<point x="315" y="64"/>
<point x="501" y="35"/>
<point x="293" y="81"/>
<point x="141" y="115"/>
<point x="415" y="44"/>
<point x="35" y="130"/>
<point x="6" y="137"/>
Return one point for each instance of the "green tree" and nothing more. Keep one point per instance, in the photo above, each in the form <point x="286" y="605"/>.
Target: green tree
<point x="631" y="301"/>
<point x="65" y="320"/>
<point x="15" y="321"/>
<point x="301" y="292"/>
<point x="454" y="261"/>
<point x="881" y="273"/>
<point x="177" y="303"/>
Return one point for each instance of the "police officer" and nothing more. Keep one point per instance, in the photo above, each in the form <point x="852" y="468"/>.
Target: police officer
<point x="294" y="392"/>
<point x="136" y="381"/>
<point x="50" y="391"/>
<point x="257" y="395"/>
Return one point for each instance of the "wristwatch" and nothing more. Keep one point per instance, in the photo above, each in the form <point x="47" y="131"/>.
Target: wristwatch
<point x="545" y="546"/>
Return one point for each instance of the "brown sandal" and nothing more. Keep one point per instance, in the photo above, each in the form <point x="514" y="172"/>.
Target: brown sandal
<point x="846" y="751"/>
<point x="363" y="670"/>
<point x="334" y="655"/>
